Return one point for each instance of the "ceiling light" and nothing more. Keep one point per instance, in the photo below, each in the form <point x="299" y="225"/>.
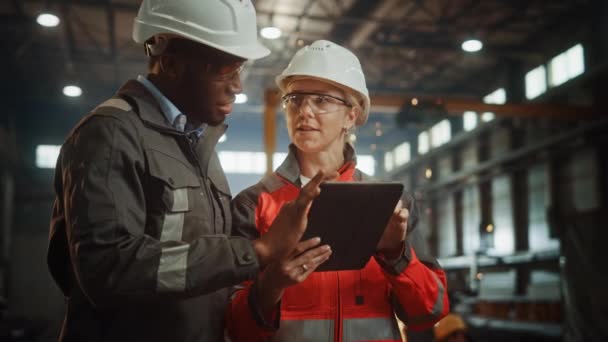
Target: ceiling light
<point x="414" y="101"/>
<point x="490" y="228"/>
<point x="72" y="91"/>
<point x="241" y="98"/>
<point x="428" y="173"/>
<point x="47" y="20"/>
<point x="271" y="32"/>
<point x="223" y="138"/>
<point x="472" y="45"/>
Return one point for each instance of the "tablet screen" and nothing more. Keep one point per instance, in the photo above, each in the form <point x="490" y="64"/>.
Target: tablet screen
<point x="351" y="217"/>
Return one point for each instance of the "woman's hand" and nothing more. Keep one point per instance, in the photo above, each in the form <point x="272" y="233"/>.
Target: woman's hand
<point x="391" y="243"/>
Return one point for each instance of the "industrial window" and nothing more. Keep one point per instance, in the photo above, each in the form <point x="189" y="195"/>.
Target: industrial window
<point x="277" y="159"/>
<point x="582" y="177"/>
<point x="423" y="142"/>
<point x="441" y="133"/>
<point x="243" y="162"/>
<point x="470" y="220"/>
<point x="388" y="161"/>
<point x="502" y="213"/>
<point x="536" y="82"/>
<point x="367" y="164"/>
<point x="487" y="116"/>
<point x="247" y="162"/>
<point x="446" y="226"/>
<point x="469" y="120"/>
<point x="566" y="65"/>
<point x="498" y="96"/>
<point x="46" y="156"/>
<point x="402" y="153"/>
<point x="539" y="235"/>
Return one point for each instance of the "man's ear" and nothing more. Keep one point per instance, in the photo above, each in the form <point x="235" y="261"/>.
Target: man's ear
<point x="170" y="66"/>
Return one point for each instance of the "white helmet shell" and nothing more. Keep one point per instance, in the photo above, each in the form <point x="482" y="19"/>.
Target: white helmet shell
<point x="227" y="25"/>
<point x="331" y="62"/>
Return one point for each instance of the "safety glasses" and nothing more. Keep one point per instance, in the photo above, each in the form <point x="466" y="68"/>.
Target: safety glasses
<point x="225" y="71"/>
<point x="319" y="103"/>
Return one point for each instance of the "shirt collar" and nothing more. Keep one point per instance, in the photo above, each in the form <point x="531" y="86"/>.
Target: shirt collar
<point x="168" y="108"/>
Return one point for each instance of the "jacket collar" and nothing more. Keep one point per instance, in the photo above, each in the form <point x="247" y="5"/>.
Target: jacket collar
<point x="151" y="114"/>
<point x="150" y="111"/>
<point x="290" y="168"/>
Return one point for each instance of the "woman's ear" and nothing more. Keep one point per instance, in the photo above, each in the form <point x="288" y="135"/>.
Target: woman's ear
<point x="352" y="116"/>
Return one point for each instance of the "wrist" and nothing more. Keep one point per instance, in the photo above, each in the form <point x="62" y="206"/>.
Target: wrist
<point x="269" y="294"/>
<point x="392" y="253"/>
<point x="262" y="252"/>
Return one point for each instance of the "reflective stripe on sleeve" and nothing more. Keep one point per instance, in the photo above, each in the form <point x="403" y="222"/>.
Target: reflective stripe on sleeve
<point x="116" y="103"/>
<point x="171" y="275"/>
<point x="426" y="318"/>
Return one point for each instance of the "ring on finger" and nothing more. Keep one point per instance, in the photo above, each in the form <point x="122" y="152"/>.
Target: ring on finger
<point x="304" y="268"/>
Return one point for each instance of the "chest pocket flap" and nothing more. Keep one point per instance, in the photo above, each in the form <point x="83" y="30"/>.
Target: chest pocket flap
<point x="173" y="172"/>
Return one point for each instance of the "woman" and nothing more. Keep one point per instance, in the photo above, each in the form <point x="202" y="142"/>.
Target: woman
<point x="325" y="97"/>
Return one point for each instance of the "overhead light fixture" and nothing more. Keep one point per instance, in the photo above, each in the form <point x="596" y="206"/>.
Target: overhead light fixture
<point x="222" y="138"/>
<point x="271" y="32"/>
<point x="428" y="173"/>
<point x="472" y="45"/>
<point x="490" y="228"/>
<point x="47" y="20"/>
<point x="72" y="91"/>
<point x="240" y="98"/>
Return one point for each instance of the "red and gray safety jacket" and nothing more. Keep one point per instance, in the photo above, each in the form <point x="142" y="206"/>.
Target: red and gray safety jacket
<point x="336" y="306"/>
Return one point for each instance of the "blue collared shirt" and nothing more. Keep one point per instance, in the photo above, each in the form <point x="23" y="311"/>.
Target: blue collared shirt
<point x="170" y="111"/>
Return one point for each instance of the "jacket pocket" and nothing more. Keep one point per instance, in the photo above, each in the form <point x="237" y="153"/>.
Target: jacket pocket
<point x="170" y="194"/>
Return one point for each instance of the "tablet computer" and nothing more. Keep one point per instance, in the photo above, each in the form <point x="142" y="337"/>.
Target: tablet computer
<point x="351" y="217"/>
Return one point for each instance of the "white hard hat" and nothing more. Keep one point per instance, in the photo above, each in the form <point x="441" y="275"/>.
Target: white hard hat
<point x="227" y="25"/>
<point x="331" y="62"/>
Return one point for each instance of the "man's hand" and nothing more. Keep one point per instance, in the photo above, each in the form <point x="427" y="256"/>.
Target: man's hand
<point x="391" y="243"/>
<point x="290" y="224"/>
<point x="291" y="270"/>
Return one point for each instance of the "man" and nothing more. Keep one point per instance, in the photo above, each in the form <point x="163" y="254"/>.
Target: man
<point x="140" y="234"/>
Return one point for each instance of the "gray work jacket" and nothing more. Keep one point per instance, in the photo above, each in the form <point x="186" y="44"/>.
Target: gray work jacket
<point x="140" y="233"/>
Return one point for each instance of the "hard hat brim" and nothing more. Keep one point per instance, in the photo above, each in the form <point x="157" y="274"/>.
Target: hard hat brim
<point x="142" y="32"/>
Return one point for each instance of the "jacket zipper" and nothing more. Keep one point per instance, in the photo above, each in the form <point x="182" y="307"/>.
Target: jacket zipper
<point x="204" y="184"/>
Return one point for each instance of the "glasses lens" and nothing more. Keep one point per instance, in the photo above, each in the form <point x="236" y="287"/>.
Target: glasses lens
<point x="228" y="71"/>
<point x="318" y="103"/>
